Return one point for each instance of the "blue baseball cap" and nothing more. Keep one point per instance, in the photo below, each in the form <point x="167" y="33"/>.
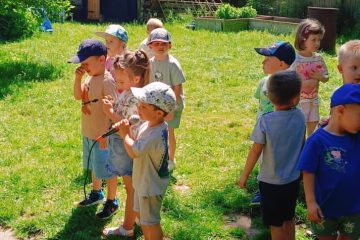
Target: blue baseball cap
<point x="159" y="35"/>
<point x="88" y="48"/>
<point x="115" y="30"/>
<point x="284" y="51"/>
<point x="348" y="93"/>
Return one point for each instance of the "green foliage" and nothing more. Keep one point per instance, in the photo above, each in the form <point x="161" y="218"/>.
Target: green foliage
<point x="286" y="8"/>
<point x="226" y="11"/>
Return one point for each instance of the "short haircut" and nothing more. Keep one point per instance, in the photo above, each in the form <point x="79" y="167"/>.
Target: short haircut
<point x="349" y="49"/>
<point x="305" y="28"/>
<point x="153" y="23"/>
<point x="283" y="86"/>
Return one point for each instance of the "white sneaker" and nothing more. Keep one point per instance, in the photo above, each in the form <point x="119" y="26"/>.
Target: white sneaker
<point x="171" y="165"/>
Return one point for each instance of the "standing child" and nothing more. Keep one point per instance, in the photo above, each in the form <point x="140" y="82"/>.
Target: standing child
<point x="349" y="61"/>
<point x="116" y="39"/>
<point x="311" y="67"/>
<point x="152" y="23"/>
<point x="331" y="168"/>
<point x="150" y="152"/>
<point x="131" y="70"/>
<point x="278" y="57"/>
<point x="165" y="68"/>
<point x="278" y="176"/>
<point x="99" y="83"/>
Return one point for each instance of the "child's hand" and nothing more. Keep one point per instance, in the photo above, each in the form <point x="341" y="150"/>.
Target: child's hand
<point x="314" y="212"/>
<point x="242" y="181"/>
<point x="124" y="127"/>
<point x="318" y="76"/>
<point x="79" y="73"/>
<point x="102" y="143"/>
<point x="85" y="98"/>
<point x="324" y="121"/>
<point x="107" y="104"/>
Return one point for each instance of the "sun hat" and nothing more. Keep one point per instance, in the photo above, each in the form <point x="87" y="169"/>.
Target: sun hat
<point x="348" y="93"/>
<point x="284" y="51"/>
<point x="159" y="35"/>
<point x="115" y="30"/>
<point x="156" y="93"/>
<point x="88" y="48"/>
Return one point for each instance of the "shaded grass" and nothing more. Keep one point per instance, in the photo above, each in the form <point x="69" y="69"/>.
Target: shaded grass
<point x="40" y="147"/>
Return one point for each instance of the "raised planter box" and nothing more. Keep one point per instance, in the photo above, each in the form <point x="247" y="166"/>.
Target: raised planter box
<point x="270" y="23"/>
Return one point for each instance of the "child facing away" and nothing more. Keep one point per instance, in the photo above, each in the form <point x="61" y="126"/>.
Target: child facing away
<point x="116" y="39"/>
<point x="278" y="57"/>
<point x="150" y="153"/>
<point x="279" y="137"/>
<point x="311" y="67"/>
<point x="94" y="122"/>
<point x="131" y="70"/>
<point x="165" y="68"/>
<point x="331" y="168"/>
<point x="152" y="23"/>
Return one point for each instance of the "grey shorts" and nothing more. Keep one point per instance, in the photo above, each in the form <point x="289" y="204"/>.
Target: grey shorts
<point x="149" y="208"/>
<point x="99" y="159"/>
<point x="120" y="164"/>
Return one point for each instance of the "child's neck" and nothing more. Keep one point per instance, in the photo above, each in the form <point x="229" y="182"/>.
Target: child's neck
<point x="306" y="53"/>
<point x="161" y="57"/>
<point x="334" y="128"/>
<point x="154" y="123"/>
<point x="283" y="107"/>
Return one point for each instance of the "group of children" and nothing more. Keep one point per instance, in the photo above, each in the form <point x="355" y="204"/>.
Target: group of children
<point x="288" y="149"/>
<point x="120" y="86"/>
<point x="148" y="82"/>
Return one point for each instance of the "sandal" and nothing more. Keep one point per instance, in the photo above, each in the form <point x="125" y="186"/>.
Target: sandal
<point x="118" y="231"/>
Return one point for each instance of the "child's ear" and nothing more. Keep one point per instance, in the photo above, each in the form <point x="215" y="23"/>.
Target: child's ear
<point x="170" y="45"/>
<point x="339" y="67"/>
<point x="136" y="79"/>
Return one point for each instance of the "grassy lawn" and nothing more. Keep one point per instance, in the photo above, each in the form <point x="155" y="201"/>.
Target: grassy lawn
<point x="40" y="143"/>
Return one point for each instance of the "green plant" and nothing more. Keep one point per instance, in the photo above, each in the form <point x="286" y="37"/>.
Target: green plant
<point x="226" y="11"/>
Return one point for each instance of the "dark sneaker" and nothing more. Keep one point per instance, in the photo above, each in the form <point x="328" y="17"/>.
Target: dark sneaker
<point x="109" y="209"/>
<point x="256" y="199"/>
<point x="95" y="197"/>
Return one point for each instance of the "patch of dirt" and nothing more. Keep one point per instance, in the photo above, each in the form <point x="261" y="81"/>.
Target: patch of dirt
<point x="7" y="234"/>
<point x="240" y="221"/>
<point x="181" y="188"/>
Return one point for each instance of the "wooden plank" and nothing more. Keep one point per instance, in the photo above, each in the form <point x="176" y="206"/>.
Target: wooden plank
<point x="93" y="11"/>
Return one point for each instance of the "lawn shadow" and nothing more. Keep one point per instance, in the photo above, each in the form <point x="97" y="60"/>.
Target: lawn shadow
<point x="15" y="74"/>
<point x="82" y="225"/>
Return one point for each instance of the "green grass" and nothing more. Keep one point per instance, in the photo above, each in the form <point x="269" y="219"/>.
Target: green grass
<point x="40" y="148"/>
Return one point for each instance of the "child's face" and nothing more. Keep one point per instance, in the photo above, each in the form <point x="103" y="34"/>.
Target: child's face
<point x="148" y="112"/>
<point x="350" y="69"/>
<point x="93" y="65"/>
<point x="114" y="46"/>
<point x="272" y="65"/>
<point x="123" y="79"/>
<point x="312" y="43"/>
<point x="350" y="121"/>
<point x="160" y="48"/>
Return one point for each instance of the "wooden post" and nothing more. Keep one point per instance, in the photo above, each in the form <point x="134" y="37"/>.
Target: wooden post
<point x="93" y="9"/>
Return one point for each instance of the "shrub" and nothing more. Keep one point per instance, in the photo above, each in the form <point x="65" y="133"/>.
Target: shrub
<point x="226" y="11"/>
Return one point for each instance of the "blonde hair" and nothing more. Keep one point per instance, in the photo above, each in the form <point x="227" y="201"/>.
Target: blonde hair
<point x="305" y="28"/>
<point x="137" y="62"/>
<point x="153" y="23"/>
<point x="350" y="48"/>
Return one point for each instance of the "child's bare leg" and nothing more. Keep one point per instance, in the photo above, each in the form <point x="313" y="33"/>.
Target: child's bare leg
<point x="96" y="183"/>
<point x="278" y="233"/>
<point x="130" y="215"/>
<point x="289" y="228"/>
<point x="152" y="232"/>
<point x="172" y="144"/>
<point x="111" y="188"/>
<point x="310" y="127"/>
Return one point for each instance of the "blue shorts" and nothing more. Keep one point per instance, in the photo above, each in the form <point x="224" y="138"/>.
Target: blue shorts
<point x="99" y="159"/>
<point x="120" y="164"/>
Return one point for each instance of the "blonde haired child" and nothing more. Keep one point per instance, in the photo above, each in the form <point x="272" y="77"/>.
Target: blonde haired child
<point x="130" y="70"/>
<point x="152" y="23"/>
<point x="311" y="67"/>
<point x="349" y="61"/>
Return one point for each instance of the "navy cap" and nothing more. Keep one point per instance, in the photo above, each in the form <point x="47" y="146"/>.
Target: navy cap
<point x="348" y="93"/>
<point x="88" y="48"/>
<point x="284" y="51"/>
<point x="159" y="35"/>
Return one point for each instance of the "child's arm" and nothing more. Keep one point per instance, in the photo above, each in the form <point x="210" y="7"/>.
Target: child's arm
<point x="319" y="76"/>
<point x="78" y="87"/>
<point x="314" y="211"/>
<point x="124" y="132"/>
<point x="108" y="109"/>
<point x="252" y="158"/>
<point x="178" y="91"/>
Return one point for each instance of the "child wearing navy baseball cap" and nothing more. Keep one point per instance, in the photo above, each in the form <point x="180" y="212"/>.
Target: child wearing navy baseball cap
<point x="331" y="168"/>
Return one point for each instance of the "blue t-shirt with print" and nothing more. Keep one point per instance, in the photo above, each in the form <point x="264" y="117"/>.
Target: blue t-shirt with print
<point x="335" y="161"/>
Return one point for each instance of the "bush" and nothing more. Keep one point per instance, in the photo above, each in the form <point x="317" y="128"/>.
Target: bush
<point x="226" y="11"/>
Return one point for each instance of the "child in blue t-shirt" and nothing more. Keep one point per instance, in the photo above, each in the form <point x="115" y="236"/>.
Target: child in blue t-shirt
<point x="331" y="168"/>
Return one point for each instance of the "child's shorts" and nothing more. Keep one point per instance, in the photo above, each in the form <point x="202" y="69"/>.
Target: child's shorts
<point x="278" y="202"/>
<point x="98" y="160"/>
<point x="149" y="208"/>
<point x="348" y="226"/>
<point x="310" y="108"/>
<point x="120" y="164"/>
<point x="175" y="122"/>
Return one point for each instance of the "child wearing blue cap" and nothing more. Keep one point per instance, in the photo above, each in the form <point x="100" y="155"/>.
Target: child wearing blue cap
<point x="94" y="122"/>
<point x="331" y="169"/>
<point x="278" y="57"/>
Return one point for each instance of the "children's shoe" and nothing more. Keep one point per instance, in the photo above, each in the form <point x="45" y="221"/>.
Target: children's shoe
<point x="171" y="165"/>
<point x="109" y="209"/>
<point x="95" y="197"/>
<point x="255" y="201"/>
<point x="118" y="231"/>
